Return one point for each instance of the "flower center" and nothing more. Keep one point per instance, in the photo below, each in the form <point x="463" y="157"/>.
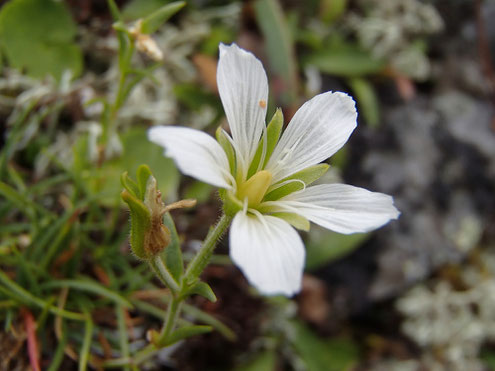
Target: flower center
<point x="254" y="188"/>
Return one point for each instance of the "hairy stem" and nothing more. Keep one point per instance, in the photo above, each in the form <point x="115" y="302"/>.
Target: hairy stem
<point x="201" y="259"/>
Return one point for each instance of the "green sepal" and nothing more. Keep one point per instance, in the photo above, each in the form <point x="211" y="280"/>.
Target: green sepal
<point x="222" y="193"/>
<point x="273" y="131"/>
<point x="143" y="175"/>
<point x="227" y="148"/>
<point x="172" y="255"/>
<point x="203" y="289"/>
<point x="308" y="176"/>
<point x="130" y="185"/>
<point x="153" y="21"/>
<point x="296" y="220"/>
<point x="186" y="332"/>
<point x="231" y="205"/>
<point x="140" y="223"/>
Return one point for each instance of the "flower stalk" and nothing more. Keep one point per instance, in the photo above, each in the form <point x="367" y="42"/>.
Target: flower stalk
<point x="201" y="259"/>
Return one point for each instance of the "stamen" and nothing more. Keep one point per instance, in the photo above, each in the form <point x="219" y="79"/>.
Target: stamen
<point x="259" y="216"/>
<point x="284" y="157"/>
<point x="281" y="207"/>
<point x="288" y="181"/>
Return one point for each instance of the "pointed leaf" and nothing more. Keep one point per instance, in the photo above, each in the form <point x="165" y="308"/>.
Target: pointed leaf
<point x="153" y="22"/>
<point x="130" y="185"/>
<point x="114" y="10"/>
<point x="140" y="223"/>
<point x="186" y="332"/>
<point x="366" y="99"/>
<point x="143" y="175"/>
<point x="308" y="176"/>
<point x="279" y="45"/>
<point x="203" y="289"/>
<point x="273" y="131"/>
<point x="173" y="254"/>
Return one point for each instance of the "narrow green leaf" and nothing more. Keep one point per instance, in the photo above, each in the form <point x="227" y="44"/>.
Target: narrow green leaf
<point x="186" y="332"/>
<point x="20" y="294"/>
<point x="114" y="10"/>
<point x="59" y="353"/>
<point x="153" y="22"/>
<point x="203" y="289"/>
<point x="172" y="253"/>
<point x="123" y="338"/>
<point x="306" y="176"/>
<point x="89" y="286"/>
<point x="86" y="345"/>
<point x="208" y="319"/>
<point x="324" y="246"/>
<point x="130" y="185"/>
<point x="140" y="223"/>
<point x="367" y="100"/>
<point x="273" y="131"/>
<point x="345" y="60"/>
<point x="265" y="361"/>
<point x="227" y="147"/>
<point x="143" y="175"/>
<point x="321" y="354"/>
<point x="279" y="44"/>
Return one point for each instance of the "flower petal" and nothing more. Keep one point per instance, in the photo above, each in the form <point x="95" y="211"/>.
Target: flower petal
<point x="269" y="252"/>
<point x="318" y="129"/>
<point x="243" y="88"/>
<point x="196" y="153"/>
<point x="342" y="208"/>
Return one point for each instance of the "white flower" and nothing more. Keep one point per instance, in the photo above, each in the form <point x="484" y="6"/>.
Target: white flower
<point x="265" y="180"/>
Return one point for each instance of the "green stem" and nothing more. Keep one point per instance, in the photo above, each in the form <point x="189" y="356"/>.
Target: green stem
<point x="199" y="262"/>
<point x="172" y="316"/>
<point x="163" y="274"/>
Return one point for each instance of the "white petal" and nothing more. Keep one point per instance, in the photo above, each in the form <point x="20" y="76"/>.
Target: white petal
<point x="342" y="208"/>
<point x="196" y="153"/>
<point x="318" y="129"/>
<point x="243" y="88"/>
<point x="269" y="252"/>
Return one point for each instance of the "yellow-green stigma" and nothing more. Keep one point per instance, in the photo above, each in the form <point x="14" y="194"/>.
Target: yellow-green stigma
<point x="254" y="189"/>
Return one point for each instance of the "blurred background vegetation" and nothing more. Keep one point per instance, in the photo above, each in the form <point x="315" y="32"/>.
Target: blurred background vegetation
<point x="417" y="295"/>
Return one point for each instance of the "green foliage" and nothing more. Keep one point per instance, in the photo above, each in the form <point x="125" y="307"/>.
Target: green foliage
<point x="136" y="9"/>
<point x="38" y="36"/>
<point x="279" y="45"/>
<point x="105" y="180"/>
<point x="345" y="60"/>
<point x="265" y="361"/>
<point x="324" y="246"/>
<point x="338" y="354"/>
<point x="331" y="10"/>
<point x="172" y="255"/>
<point x="368" y="104"/>
<point x="203" y="289"/>
<point x="152" y="22"/>
<point x="186" y="332"/>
